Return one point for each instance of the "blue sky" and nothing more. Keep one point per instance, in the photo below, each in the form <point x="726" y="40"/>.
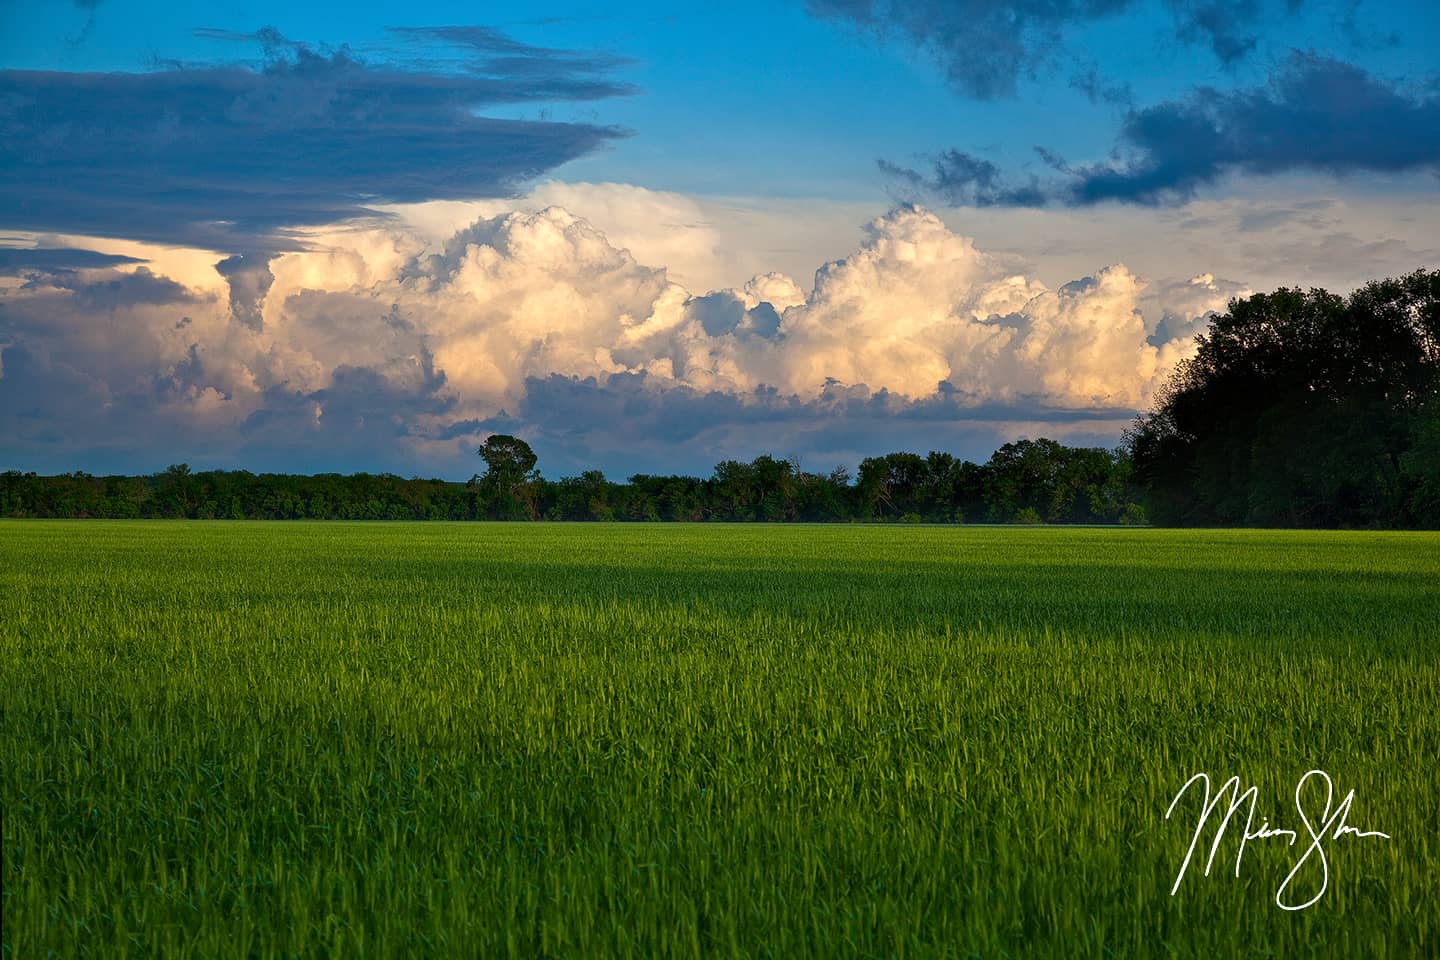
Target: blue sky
<point x="233" y="193"/>
<point x="766" y="98"/>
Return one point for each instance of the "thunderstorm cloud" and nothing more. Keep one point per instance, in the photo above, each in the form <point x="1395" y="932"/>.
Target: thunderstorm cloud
<point x="375" y="343"/>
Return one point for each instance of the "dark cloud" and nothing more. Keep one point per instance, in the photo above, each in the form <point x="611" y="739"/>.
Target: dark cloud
<point x="1360" y="30"/>
<point x="249" y="279"/>
<point x="961" y="179"/>
<point x="723" y="312"/>
<point x="1097" y="89"/>
<point x="986" y="47"/>
<point x="58" y="259"/>
<point x="42" y="404"/>
<point x="1222" y="25"/>
<point x="89" y="7"/>
<point x="120" y="290"/>
<point x="626" y="424"/>
<point x="57" y="416"/>
<point x="484" y="39"/>
<point x="1316" y="115"/>
<point x="229" y="156"/>
<point x="361" y="414"/>
<point x="500" y="53"/>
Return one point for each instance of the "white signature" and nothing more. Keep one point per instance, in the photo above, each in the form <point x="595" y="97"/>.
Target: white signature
<point x="1331" y="825"/>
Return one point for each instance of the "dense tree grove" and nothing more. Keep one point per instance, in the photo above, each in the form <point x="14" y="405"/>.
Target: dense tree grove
<point x="1298" y="409"/>
<point x="1303" y="410"/>
<point x="1023" y="482"/>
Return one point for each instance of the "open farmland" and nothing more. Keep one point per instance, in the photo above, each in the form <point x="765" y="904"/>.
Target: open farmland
<point x="247" y="739"/>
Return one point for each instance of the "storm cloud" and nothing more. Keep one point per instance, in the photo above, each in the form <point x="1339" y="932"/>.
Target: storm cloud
<point x="1316" y="115"/>
<point x="233" y="157"/>
<point x="380" y="349"/>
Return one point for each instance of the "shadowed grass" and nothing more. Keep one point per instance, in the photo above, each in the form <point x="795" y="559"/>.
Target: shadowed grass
<point x="481" y="739"/>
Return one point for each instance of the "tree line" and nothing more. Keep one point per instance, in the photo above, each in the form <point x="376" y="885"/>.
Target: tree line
<point x="1297" y="409"/>
<point x="1024" y="482"/>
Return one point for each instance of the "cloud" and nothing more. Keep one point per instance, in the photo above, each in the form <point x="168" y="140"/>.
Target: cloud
<point x="963" y="179"/>
<point x="373" y="348"/>
<point x="249" y="280"/>
<point x="654" y="226"/>
<point x="116" y="290"/>
<point x="1351" y="260"/>
<point x="629" y="423"/>
<point x="986" y="47"/>
<point x="1316" y="115"/>
<point x="504" y="55"/>
<point x="360" y="411"/>
<point x="1185" y="309"/>
<point x="14" y="260"/>
<point x="1221" y="25"/>
<point x="1099" y="90"/>
<point x="231" y="157"/>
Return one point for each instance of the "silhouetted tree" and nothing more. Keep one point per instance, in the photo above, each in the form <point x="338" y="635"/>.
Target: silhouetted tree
<point x="507" y="487"/>
<point x="1298" y="409"/>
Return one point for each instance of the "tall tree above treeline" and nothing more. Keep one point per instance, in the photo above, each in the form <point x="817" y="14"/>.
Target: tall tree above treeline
<point x="1303" y="409"/>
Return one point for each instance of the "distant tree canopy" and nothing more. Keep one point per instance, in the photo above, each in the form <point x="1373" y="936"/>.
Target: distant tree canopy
<point x="1303" y="410"/>
<point x="1040" y="478"/>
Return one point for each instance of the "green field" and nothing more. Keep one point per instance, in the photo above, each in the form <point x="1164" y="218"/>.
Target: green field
<point x="268" y="739"/>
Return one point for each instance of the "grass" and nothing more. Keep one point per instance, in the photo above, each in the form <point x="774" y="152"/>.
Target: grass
<point x="287" y="740"/>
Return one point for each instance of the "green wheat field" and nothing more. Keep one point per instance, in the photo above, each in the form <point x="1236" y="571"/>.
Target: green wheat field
<point x="372" y="740"/>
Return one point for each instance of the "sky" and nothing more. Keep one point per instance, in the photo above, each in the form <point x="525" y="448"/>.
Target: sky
<point x="363" y="236"/>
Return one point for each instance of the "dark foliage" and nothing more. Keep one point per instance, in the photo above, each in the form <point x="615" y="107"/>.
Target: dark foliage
<point x="507" y="487"/>
<point x="1303" y="410"/>
<point x="1040" y="478"/>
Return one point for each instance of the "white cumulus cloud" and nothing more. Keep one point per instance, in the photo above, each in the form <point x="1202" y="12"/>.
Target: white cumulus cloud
<point x="389" y="335"/>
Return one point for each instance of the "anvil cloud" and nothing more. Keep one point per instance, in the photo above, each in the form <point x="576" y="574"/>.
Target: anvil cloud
<point x="235" y="156"/>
